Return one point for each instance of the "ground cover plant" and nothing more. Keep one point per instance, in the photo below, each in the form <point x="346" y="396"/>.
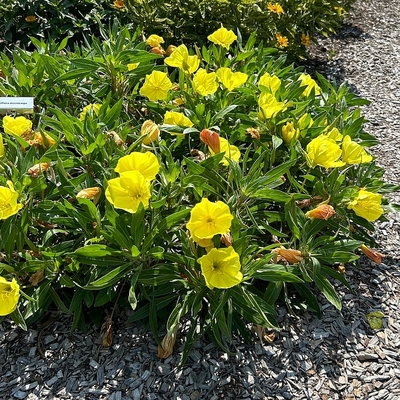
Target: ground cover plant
<point x="200" y="185"/>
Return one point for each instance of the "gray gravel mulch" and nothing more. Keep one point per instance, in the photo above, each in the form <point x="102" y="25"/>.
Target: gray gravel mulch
<point x="336" y="357"/>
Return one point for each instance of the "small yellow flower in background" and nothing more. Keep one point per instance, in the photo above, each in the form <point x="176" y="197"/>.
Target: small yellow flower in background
<point x="90" y="193"/>
<point x="322" y="211"/>
<point x="335" y="135"/>
<point x="144" y="163"/>
<point x="208" y="219"/>
<point x="289" y="132"/>
<point x="150" y="131"/>
<point x="94" y="108"/>
<point x="132" y="66"/>
<point x="373" y="255"/>
<point x="128" y="191"/>
<point x="305" y="40"/>
<point x="306" y="80"/>
<point x="30" y="18"/>
<point x="8" y="201"/>
<point x="181" y="59"/>
<point x="154" y="41"/>
<point x="37" y="169"/>
<point x="283" y="41"/>
<point x="18" y="126"/>
<point x="272" y="83"/>
<point x="292" y="256"/>
<point x="156" y="86"/>
<point x="177" y="118"/>
<point x="9" y="296"/>
<point x="222" y="37"/>
<point x="221" y="268"/>
<point x="367" y="205"/>
<point x="353" y="153"/>
<point x="325" y="152"/>
<point x="205" y="83"/>
<point x="119" y="4"/>
<point x="340" y="10"/>
<point x="269" y="106"/>
<point x="2" y="152"/>
<point x="211" y="139"/>
<point x="231" y="152"/>
<point x="275" y="8"/>
<point x="231" y="80"/>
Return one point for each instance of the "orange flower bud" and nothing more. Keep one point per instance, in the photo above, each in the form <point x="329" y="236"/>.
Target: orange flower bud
<point x="372" y="254"/>
<point x="37" y="169"/>
<point x="292" y="256"/>
<point x="30" y="18"/>
<point x="90" y="193"/>
<point x="158" y="50"/>
<point x="150" y="131"/>
<point x="322" y="211"/>
<point x="211" y="139"/>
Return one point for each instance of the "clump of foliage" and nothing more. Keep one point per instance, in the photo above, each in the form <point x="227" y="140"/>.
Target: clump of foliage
<point x="203" y="185"/>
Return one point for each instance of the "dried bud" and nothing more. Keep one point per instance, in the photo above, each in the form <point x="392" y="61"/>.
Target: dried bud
<point x="372" y="254"/>
<point x="2" y="74"/>
<point x="106" y="333"/>
<point x="117" y="139"/>
<point x="90" y="193"/>
<point x="264" y="337"/>
<point x="254" y="133"/>
<point x="226" y="239"/>
<point x="37" y="277"/>
<point x="211" y="139"/>
<point x="158" y="50"/>
<point x="37" y="169"/>
<point x="151" y="132"/>
<point x="170" y="49"/>
<point x="199" y="154"/>
<point x="322" y="211"/>
<point x="341" y="269"/>
<point x="167" y="344"/>
<point x="292" y="256"/>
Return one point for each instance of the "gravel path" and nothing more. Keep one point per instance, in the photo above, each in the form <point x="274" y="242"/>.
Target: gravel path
<point x="337" y="357"/>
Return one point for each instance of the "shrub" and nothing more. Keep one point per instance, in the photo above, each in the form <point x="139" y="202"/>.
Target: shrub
<point x="202" y="186"/>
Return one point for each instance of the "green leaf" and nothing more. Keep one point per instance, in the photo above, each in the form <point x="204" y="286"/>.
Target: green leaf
<point x="109" y="279"/>
<point x="327" y="290"/>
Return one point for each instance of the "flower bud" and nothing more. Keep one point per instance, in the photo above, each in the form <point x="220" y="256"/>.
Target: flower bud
<point x="211" y="139"/>
<point x="90" y="193"/>
<point x="37" y="169"/>
<point x="254" y="133"/>
<point x="372" y="254"/>
<point x="322" y="211"/>
<point x="150" y="131"/>
<point x="170" y="49"/>
<point x="226" y="239"/>
<point x="292" y="256"/>
<point x="166" y="347"/>
<point x="158" y="50"/>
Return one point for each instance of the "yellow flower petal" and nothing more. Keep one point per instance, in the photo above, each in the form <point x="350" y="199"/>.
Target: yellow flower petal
<point x="9" y="296"/>
<point x="145" y="163"/>
<point x="222" y="37"/>
<point x="367" y="205"/>
<point x="353" y="153"/>
<point x="325" y="152"/>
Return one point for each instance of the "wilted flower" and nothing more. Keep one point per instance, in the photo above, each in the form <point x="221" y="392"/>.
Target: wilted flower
<point x="18" y="126"/>
<point x="292" y="256"/>
<point x="254" y="133"/>
<point x="372" y="254"/>
<point x="231" y="152"/>
<point x="156" y="86"/>
<point x="154" y="40"/>
<point x="322" y="211"/>
<point x="43" y="139"/>
<point x="325" y="152"/>
<point x="275" y="8"/>
<point x="90" y="193"/>
<point x="158" y="50"/>
<point x="205" y="83"/>
<point x="305" y="40"/>
<point x="208" y="219"/>
<point x="353" y="153"/>
<point x="222" y="37"/>
<point x="289" y="132"/>
<point x="231" y="80"/>
<point x="128" y="191"/>
<point x="367" y="205"/>
<point x="282" y="40"/>
<point x="221" y="268"/>
<point x="166" y="347"/>
<point x="145" y="163"/>
<point x="226" y="239"/>
<point x="37" y="169"/>
<point x="30" y="18"/>
<point x="306" y="80"/>
<point x="94" y="108"/>
<point x="211" y="139"/>
<point x="269" y="106"/>
<point x="150" y="131"/>
<point x="9" y="295"/>
<point x="119" y="4"/>
<point x="271" y="82"/>
<point x="180" y="59"/>
<point x="8" y="201"/>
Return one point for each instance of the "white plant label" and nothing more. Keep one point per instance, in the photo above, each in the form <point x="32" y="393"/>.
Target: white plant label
<point x="16" y="103"/>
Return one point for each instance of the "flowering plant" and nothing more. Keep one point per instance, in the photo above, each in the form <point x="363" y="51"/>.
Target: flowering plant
<point x="182" y="193"/>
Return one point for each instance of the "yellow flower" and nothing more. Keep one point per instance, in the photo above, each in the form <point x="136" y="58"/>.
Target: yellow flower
<point x="322" y="211"/>
<point x="204" y="83"/>
<point x="289" y="131"/>
<point x="30" y="18"/>
<point x="305" y="40"/>
<point x="353" y="153"/>
<point x="132" y="66"/>
<point x="229" y="79"/>
<point x="156" y="86"/>
<point x="221" y="268"/>
<point x="177" y="118"/>
<point x="144" y="163"/>
<point x="222" y="37"/>
<point x="150" y="131"/>
<point x="208" y="219"/>
<point x="231" y="152"/>
<point x="367" y="205"/>
<point x="19" y="126"/>
<point x="128" y="191"/>
<point x="8" y="201"/>
<point x="42" y="139"/>
<point x="325" y="152"/>
<point x="119" y="4"/>
<point x="335" y="134"/>
<point x="271" y="82"/>
<point x="306" y="80"/>
<point x="1" y="146"/>
<point x="180" y="59"/>
<point x="282" y="40"/>
<point x="9" y="296"/>
<point x="154" y="41"/>
<point x="94" y="108"/>
<point x="269" y="106"/>
<point x="275" y="8"/>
